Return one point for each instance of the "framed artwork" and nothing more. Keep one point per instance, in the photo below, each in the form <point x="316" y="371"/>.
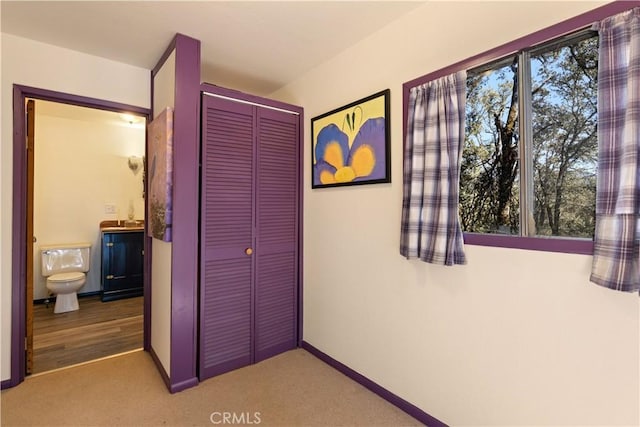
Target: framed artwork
<point x="160" y="171"/>
<point x="350" y="145"/>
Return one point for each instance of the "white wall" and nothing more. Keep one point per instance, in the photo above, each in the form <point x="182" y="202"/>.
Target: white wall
<point x="45" y="66"/>
<point x="513" y="338"/>
<point x="163" y="96"/>
<point x="80" y="166"/>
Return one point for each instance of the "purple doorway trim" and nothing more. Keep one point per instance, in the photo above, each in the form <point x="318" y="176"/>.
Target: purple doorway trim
<point x="395" y="400"/>
<point x="19" y="205"/>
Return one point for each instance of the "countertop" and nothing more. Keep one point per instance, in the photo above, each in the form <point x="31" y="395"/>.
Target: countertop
<point x="122" y="225"/>
<point x="137" y="228"/>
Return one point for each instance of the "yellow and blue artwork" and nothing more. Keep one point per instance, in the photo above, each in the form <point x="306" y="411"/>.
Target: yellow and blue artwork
<point x="350" y="145"/>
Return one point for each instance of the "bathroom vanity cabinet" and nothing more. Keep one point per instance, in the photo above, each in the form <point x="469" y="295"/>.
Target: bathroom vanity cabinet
<point x="122" y="263"/>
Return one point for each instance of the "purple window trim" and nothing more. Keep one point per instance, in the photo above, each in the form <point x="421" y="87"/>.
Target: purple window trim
<point x="576" y="246"/>
<point x="546" y="244"/>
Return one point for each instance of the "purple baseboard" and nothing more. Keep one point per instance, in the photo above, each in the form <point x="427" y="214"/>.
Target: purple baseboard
<point x="6" y="384"/>
<point x="173" y="388"/>
<point x="183" y="385"/>
<point x="395" y="400"/>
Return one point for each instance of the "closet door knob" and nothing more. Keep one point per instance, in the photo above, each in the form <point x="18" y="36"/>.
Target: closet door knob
<point x="248" y="251"/>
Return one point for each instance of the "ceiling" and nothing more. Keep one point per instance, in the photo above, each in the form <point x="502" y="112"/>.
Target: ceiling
<point x="253" y="46"/>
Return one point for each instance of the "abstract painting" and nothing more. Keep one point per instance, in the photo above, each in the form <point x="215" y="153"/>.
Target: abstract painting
<point x="160" y="168"/>
<point x="350" y="145"/>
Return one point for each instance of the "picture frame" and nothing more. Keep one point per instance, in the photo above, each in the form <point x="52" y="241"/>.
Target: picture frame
<point x="160" y="175"/>
<point x="351" y="144"/>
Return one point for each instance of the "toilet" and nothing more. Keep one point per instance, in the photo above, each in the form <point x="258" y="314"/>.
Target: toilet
<point x="64" y="266"/>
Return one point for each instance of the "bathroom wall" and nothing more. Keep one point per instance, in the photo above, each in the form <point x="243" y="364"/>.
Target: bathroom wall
<point x="50" y="67"/>
<point x="81" y="166"/>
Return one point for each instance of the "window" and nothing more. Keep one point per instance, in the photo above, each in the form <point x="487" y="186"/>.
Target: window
<point x="528" y="173"/>
<point x="530" y="156"/>
<point x="529" y="161"/>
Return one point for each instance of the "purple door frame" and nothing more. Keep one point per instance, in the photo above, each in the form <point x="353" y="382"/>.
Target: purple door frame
<point x="19" y="223"/>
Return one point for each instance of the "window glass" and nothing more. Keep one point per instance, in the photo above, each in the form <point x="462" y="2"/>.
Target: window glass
<point x="553" y="156"/>
<point x="565" y="148"/>
<point x="489" y="170"/>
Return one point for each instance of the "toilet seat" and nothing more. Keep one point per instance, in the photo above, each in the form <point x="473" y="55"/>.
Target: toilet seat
<point x="66" y="277"/>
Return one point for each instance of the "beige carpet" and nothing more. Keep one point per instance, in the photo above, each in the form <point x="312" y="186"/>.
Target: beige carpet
<point x="292" y="389"/>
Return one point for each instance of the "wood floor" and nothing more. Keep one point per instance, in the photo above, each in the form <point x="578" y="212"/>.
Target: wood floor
<point x="98" y="329"/>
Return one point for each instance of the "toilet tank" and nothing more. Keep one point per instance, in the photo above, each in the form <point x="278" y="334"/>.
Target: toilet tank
<point x="65" y="258"/>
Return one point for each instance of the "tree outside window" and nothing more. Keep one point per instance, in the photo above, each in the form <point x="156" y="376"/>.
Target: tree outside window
<point x="529" y="165"/>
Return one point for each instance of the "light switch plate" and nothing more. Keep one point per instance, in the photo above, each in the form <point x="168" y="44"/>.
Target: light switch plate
<point x="109" y="208"/>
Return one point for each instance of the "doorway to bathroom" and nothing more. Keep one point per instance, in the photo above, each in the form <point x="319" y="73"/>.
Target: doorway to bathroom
<point x="79" y="173"/>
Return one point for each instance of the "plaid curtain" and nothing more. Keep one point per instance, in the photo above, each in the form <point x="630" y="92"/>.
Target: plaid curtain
<point x="433" y="151"/>
<point x="616" y="254"/>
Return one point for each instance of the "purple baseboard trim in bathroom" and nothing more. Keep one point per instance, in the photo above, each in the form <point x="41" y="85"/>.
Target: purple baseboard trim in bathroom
<point x="161" y="369"/>
<point x="395" y="400"/>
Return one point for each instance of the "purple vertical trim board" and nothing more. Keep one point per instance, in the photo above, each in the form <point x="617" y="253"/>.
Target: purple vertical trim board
<point x="186" y="193"/>
<point x="300" y="228"/>
<point x="148" y="251"/>
<point x="551" y="32"/>
<point x="19" y="205"/>
<point x="19" y="227"/>
<point x="395" y="400"/>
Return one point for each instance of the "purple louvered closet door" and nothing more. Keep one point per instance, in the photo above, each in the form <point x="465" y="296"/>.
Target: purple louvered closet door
<point x="276" y="233"/>
<point x="249" y="234"/>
